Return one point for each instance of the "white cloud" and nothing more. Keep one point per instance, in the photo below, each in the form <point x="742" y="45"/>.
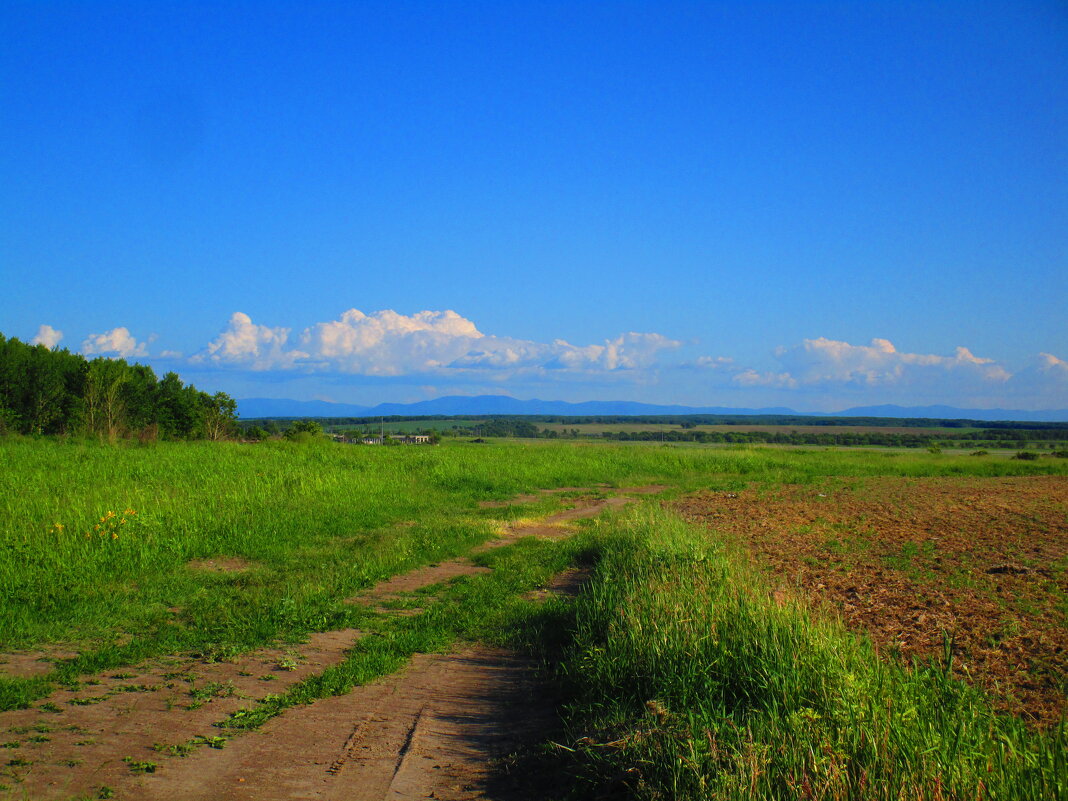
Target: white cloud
<point x="385" y="343"/>
<point x="822" y="360"/>
<point x="716" y="363"/>
<point x="751" y="378"/>
<point x="1051" y="365"/>
<point x="117" y="342"/>
<point x="245" y="344"/>
<point x="47" y="336"/>
<point x="1043" y="383"/>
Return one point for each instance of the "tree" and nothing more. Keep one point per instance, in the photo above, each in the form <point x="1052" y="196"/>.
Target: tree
<point x="105" y="408"/>
<point x="304" y="429"/>
<point x="219" y="415"/>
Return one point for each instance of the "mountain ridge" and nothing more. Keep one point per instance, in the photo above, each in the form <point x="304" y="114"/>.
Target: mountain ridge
<point x="456" y="405"/>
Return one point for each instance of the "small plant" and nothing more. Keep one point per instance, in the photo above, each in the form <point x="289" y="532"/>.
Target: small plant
<point x="19" y="762"/>
<point x="210" y="742"/>
<point x="38" y="738"/>
<point x="48" y="706"/>
<point x="287" y="662"/>
<point x="105" y="792"/>
<point x="214" y="689"/>
<point x="140" y="767"/>
<point x="90" y="700"/>
<point x="178" y="749"/>
<point x="109" y="526"/>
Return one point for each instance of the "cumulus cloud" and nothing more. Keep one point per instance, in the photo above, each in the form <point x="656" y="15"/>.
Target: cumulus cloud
<point x="118" y="343"/>
<point x="1052" y="366"/>
<point x="716" y="363"/>
<point x="822" y="360"/>
<point x="751" y="378"/>
<point x="245" y="344"/>
<point x="386" y="343"/>
<point x="47" y="336"/>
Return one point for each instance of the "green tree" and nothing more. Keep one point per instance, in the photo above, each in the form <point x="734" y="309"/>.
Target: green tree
<point x="304" y="429"/>
<point x="105" y="403"/>
<point x="219" y="415"/>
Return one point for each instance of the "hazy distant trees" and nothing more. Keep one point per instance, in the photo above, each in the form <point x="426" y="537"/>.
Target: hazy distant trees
<point x="46" y="391"/>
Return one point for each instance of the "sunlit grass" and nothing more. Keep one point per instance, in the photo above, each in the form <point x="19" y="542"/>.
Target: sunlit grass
<point x="690" y="680"/>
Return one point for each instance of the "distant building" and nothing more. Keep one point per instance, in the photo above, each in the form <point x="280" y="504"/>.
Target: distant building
<point x="405" y="439"/>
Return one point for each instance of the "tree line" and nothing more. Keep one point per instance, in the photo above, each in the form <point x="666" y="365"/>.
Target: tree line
<point x="45" y="391"/>
<point x="989" y="437"/>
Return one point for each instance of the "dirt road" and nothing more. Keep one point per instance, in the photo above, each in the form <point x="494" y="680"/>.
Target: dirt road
<point x="438" y="729"/>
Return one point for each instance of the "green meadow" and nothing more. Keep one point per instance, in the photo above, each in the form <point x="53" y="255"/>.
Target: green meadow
<point x="680" y="678"/>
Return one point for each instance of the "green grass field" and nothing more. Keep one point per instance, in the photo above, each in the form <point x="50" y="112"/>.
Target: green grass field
<point x="681" y="674"/>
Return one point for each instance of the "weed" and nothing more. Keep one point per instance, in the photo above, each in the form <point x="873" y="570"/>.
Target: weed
<point x="215" y="689"/>
<point x="178" y="749"/>
<point x="88" y="701"/>
<point x="210" y="742"/>
<point x="137" y="766"/>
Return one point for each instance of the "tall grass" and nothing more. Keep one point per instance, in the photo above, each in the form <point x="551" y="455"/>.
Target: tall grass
<point x="689" y="680"/>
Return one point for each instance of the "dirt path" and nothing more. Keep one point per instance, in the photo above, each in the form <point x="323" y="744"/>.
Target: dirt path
<point x="437" y="729"/>
<point x="434" y="730"/>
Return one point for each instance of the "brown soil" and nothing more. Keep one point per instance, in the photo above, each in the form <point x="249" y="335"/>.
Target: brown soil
<point x="908" y="560"/>
<point x="554" y="526"/>
<point x="221" y="564"/>
<point x="438" y="729"/>
<point x="126" y="712"/>
<point x="23" y="664"/>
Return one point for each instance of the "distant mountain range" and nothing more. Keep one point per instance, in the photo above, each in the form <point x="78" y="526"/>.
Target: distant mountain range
<point x="503" y="404"/>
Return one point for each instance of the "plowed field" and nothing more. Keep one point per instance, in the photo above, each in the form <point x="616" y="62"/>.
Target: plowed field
<point x="912" y="561"/>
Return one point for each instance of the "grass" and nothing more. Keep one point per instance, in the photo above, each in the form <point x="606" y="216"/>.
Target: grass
<point x="686" y="678"/>
<point x="689" y="680"/>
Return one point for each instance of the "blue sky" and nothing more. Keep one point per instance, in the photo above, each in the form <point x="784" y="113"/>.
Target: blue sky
<point x="814" y="205"/>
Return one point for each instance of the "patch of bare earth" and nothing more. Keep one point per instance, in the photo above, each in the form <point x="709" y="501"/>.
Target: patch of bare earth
<point x="908" y="561"/>
<point x="441" y="728"/>
<point x="76" y="740"/>
<point x="221" y="564"/>
<point x="24" y="664"/>
<point x="437" y="729"/>
<point x="554" y="526"/>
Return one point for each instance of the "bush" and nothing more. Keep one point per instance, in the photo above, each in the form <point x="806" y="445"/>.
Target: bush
<point x="303" y="430"/>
